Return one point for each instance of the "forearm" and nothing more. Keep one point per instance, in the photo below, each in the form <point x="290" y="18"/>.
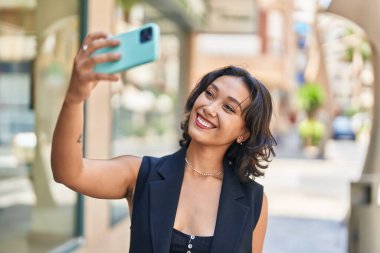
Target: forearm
<point x="66" y="154"/>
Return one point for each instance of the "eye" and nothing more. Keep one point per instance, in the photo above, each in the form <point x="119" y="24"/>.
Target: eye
<point x="209" y="94"/>
<point x="229" y="108"/>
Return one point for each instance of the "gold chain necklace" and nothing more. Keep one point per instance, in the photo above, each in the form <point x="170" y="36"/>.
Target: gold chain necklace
<point x="203" y="173"/>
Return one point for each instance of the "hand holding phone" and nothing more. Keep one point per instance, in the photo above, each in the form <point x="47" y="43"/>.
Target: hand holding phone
<point x="136" y="47"/>
<point x="83" y="79"/>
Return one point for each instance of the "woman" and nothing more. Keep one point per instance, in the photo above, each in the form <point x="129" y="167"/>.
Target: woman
<point x="203" y="197"/>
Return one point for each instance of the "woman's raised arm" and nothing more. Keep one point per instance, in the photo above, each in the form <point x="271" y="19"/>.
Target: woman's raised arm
<point x="114" y="178"/>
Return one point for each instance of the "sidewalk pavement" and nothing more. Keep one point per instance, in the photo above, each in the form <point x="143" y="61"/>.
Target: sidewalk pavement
<point x="301" y="235"/>
<point x="309" y="199"/>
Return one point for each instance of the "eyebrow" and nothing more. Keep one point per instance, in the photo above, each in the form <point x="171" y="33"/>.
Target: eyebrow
<point x="229" y="97"/>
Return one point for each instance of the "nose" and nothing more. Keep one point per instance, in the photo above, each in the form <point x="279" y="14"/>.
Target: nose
<point x="210" y="109"/>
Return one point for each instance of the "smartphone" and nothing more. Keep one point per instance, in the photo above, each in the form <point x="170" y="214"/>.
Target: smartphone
<point x="136" y="47"/>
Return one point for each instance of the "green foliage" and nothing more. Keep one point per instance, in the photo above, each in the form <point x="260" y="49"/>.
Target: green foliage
<point x="362" y="47"/>
<point x="365" y="50"/>
<point x="310" y="96"/>
<point x="126" y="4"/>
<point x="351" y="111"/>
<point x="311" y="132"/>
<point x="349" y="54"/>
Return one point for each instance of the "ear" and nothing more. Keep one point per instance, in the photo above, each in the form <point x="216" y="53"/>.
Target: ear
<point x="243" y="136"/>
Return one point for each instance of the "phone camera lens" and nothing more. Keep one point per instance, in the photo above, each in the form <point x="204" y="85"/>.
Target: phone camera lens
<point x="146" y="34"/>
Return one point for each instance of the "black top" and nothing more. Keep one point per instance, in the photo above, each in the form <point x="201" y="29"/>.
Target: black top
<point x="183" y="243"/>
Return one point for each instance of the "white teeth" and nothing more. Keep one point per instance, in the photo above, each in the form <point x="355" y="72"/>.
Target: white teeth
<point x="204" y="123"/>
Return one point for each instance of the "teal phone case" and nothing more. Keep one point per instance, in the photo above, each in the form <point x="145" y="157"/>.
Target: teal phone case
<point x="132" y="50"/>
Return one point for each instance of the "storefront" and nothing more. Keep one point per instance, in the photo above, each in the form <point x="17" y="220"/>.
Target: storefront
<point x="37" y="44"/>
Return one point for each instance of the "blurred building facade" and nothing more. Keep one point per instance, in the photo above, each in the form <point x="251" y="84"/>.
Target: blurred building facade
<point x="38" y="41"/>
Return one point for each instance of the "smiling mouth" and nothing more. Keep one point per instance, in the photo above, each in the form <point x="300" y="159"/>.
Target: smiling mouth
<point x="203" y="123"/>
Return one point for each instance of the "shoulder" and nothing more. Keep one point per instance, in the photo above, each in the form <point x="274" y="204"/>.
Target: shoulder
<point x="150" y="171"/>
<point x="253" y="188"/>
<point x="152" y="163"/>
<point x="256" y="198"/>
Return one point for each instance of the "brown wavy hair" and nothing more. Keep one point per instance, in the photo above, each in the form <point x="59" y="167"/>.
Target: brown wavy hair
<point x="251" y="158"/>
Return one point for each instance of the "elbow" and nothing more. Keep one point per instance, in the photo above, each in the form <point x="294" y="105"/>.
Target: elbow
<point x="61" y="176"/>
<point x="64" y="172"/>
<point x="58" y="179"/>
<point x="58" y="174"/>
<point x="55" y="170"/>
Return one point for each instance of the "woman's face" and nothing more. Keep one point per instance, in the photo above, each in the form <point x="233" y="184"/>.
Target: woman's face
<point x="217" y="115"/>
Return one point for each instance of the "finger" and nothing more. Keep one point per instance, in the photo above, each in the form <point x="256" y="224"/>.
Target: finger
<point x="106" y="77"/>
<point x="95" y="36"/>
<point x="90" y="62"/>
<point x="101" y="43"/>
<point x="91" y="76"/>
<point x="91" y="37"/>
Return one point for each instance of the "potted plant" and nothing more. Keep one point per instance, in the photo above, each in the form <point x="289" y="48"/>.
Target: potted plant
<point x="310" y="98"/>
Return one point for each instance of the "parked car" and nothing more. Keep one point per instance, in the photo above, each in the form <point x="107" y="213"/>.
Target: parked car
<point x="342" y="128"/>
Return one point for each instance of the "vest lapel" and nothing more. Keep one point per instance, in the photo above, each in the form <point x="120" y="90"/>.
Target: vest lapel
<point x="164" y="196"/>
<point x="232" y="214"/>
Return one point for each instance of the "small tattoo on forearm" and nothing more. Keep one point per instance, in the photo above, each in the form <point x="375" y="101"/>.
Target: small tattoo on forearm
<point x="79" y="139"/>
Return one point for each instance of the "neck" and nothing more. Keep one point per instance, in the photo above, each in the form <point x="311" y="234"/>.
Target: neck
<point x="206" y="158"/>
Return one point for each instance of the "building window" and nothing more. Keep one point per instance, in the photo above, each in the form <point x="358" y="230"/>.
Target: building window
<point x="38" y="214"/>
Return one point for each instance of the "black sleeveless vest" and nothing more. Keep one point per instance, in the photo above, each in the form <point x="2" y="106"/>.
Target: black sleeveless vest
<point x="156" y="198"/>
